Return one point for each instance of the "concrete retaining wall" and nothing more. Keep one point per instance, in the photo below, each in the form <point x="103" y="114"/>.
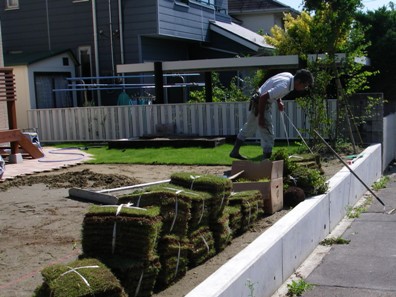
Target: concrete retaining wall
<point x="269" y="260"/>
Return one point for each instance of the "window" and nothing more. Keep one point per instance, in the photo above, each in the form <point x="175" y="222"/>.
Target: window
<point x="12" y="4"/>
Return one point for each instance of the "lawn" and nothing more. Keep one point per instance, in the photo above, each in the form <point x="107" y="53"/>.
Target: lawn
<point x="175" y="156"/>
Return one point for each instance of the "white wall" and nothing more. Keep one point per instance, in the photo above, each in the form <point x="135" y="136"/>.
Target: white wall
<point x="23" y="94"/>
<point x="270" y="259"/>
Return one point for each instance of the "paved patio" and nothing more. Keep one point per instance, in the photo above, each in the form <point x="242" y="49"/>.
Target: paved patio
<point x="53" y="159"/>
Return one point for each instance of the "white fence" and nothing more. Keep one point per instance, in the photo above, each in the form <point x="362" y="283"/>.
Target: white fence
<point x="125" y="122"/>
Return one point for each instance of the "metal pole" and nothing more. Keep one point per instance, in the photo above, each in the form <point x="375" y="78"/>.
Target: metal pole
<point x="350" y="169"/>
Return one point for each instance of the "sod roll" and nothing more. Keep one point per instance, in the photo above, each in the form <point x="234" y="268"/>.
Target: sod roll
<point x="219" y="187"/>
<point x="81" y="278"/>
<point x="121" y="231"/>
<point x="201" y="246"/>
<point x="251" y="205"/>
<point x="174" y="204"/>
<point x="173" y="252"/>
<point x="234" y="219"/>
<point x="222" y="232"/>
<point x="137" y="277"/>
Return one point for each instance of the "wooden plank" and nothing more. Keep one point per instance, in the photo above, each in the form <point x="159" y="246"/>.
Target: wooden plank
<point x="16" y="136"/>
<point x="29" y="147"/>
<point x="93" y="196"/>
<point x="10" y="135"/>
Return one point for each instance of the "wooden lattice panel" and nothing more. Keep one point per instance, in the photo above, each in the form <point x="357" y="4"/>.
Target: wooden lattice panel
<point x="7" y="85"/>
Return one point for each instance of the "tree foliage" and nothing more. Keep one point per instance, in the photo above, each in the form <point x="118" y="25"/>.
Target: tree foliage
<point x="381" y="32"/>
<point x="237" y="90"/>
<point x="324" y="29"/>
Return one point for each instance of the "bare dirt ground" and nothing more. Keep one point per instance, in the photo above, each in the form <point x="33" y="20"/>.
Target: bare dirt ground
<point x="40" y="224"/>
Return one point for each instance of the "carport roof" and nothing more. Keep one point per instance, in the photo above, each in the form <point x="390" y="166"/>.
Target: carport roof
<point x="240" y="35"/>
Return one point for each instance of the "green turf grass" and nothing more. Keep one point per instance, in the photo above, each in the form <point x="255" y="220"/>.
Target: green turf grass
<point x="174" y="156"/>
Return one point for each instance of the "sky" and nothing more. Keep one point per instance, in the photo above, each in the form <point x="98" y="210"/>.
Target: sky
<point x="368" y="4"/>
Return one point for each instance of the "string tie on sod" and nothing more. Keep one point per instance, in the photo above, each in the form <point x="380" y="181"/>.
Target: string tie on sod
<point x="138" y="202"/>
<point x="119" y="207"/>
<point x="202" y="212"/>
<point x="79" y="274"/>
<point x="176" y="210"/>
<point x="250" y="211"/>
<point x="178" y="259"/>
<point x="222" y="199"/>
<point x="206" y="243"/>
<point x="139" y="284"/>
<point x="177" y="191"/>
<point x="193" y="179"/>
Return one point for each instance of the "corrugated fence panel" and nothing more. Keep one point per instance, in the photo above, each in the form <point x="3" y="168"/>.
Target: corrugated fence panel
<point x="200" y="119"/>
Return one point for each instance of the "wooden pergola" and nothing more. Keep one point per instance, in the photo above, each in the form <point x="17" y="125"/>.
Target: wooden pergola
<point x="206" y="66"/>
<point x="13" y="136"/>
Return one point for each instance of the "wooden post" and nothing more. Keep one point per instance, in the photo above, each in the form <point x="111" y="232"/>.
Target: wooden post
<point x="8" y="95"/>
<point x="159" y="83"/>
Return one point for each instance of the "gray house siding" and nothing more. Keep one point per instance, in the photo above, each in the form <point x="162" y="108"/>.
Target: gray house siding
<point x="184" y="21"/>
<point x="29" y="28"/>
<point x="139" y="31"/>
<point x="140" y="19"/>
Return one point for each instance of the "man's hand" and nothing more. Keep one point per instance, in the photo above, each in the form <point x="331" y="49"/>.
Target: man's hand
<point x="281" y="106"/>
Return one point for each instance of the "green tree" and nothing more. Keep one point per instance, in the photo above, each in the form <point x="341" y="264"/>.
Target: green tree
<point x="233" y="93"/>
<point x="329" y="30"/>
<point x="381" y="32"/>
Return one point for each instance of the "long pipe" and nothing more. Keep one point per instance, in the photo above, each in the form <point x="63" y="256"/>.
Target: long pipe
<point x="111" y="38"/>
<point x="96" y="50"/>
<point x="121" y="29"/>
<point x="349" y="168"/>
<point x="48" y="26"/>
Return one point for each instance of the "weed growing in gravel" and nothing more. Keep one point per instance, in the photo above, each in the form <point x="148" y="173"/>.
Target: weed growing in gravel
<point x="355" y="212"/>
<point x="334" y="240"/>
<point x="381" y="183"/>
<point x="296" y="288"/>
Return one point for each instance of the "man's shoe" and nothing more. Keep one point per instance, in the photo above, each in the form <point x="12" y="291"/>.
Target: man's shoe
<point x="237" y="156"/>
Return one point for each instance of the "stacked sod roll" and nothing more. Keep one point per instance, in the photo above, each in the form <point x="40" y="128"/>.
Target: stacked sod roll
<point x="153" y="235"/>
<point x="125" y="238"/>
<point x="80" y="278"/>
<point x="251" y="206"/>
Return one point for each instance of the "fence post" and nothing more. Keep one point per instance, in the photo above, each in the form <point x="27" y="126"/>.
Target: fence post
<point x="159" y="83"/>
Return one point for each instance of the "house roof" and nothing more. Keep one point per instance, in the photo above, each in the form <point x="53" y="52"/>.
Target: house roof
<point x="28" y="58"/>
<point x="240" y="35"/>
<point x="235" y="6"/>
